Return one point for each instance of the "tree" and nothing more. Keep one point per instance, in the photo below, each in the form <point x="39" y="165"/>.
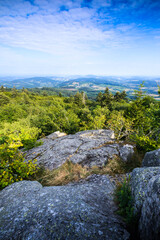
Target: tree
<point x="158" y="89"/>
<point x="140" y="93"/>
<point x="121" y="126"/>
<point x="4" y="99"/>
<point x="123" y="95"/>
<point x="99" y="98"/>
<point x="117" y="96"/>
<point x="14" y="92"/>
<point x="80" y="99"/>
<point x="107" y="97"/>
<point x="2" y="89"/>
<point x="60" y="94"/>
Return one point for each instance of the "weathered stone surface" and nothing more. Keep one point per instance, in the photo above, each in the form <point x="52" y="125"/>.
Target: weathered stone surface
<point x="89" y="148"/>
<point x="56" y="135"/>
<point x="149" y="223"/>
<point x="139" y="182"/>
<point x="151" y="159"/>
<point x="126" y="152"/>
<point x="84" y="210"/>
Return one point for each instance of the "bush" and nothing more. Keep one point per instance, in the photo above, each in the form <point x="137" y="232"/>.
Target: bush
<point x="13" y="168"/>
<point x="125" y="201"/>
<point x="22" y="130"/>
<point x="144" y="143"/>
<point x="121" y="126"/>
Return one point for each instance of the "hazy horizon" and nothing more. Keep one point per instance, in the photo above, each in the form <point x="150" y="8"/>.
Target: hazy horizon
<point x="83" y="37"/>
<point x="79" y="76"/>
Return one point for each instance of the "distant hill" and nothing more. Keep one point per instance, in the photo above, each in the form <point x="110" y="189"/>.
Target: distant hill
<point x="90" y="84"/>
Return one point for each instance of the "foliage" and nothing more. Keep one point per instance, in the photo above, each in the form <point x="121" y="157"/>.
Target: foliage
<point x="26" y="116"/>
<point x="22" y="130"/>
<point x="121" y="126"/>
<point x="144" y="143"/>
<point x="4" y="99"/>
<point x="125" y="202"/>
<point x="159" y="90"/>
<point x="13" y="168"/>
<point x="33" y="114"/>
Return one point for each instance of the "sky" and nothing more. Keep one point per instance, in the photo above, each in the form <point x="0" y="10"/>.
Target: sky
<point x="80" y="37"/>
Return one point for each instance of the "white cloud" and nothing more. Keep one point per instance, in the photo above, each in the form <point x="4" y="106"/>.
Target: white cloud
<point x="72" y="38"/>
<point x="67" y="32"/>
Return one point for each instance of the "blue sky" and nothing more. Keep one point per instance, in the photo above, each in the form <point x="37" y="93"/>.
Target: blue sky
<point x="67" y="37"/>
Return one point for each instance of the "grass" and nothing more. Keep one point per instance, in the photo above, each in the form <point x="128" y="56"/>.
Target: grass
<point x="66" y="173"/>
<point x="70" y="172"/>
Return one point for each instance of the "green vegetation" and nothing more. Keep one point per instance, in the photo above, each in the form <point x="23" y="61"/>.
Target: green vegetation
<point x="13" y="168"/>
<point x="26" y="116"/>
<point x="125" y="202"/>
<point x="123" y="198"/>
<point x="70" y="172"/>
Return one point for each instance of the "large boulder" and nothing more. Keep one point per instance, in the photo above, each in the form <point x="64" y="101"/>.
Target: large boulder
<point x="83" y="210"/>
<point x="149" y="223"/>
<point x="145" y="185"/>
<point x="140" y="178"/>
<point x="88" y="148"/>
<point x="151" y="159"/>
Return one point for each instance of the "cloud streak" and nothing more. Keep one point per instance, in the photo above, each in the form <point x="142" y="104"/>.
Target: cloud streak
<point x="74" y="31"/>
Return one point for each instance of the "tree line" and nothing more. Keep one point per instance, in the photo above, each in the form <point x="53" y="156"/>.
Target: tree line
<point x="26" y="116"/>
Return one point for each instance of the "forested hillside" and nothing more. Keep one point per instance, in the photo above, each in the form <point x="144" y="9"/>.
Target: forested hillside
<point x="26" y="116"/>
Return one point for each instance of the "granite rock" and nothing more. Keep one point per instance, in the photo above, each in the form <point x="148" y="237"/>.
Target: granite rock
<point x="88" y="148"/>
<point x="149" y="223"/>
<point x="84" y="210"/>
<point x="152" y="159"/>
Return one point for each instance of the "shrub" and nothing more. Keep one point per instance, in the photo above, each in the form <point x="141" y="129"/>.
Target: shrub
<point x="144" y="143"/>
<point x="22" y="130"/>
<point x="125" y="201"/>
<point x="121" y="126"/>
<point x="13" y="168"/>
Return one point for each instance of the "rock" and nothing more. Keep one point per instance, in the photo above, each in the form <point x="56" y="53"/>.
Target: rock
<point x="151" y="159"/>
<point x="56" y="135"/>
<point x="83" y="210"/>
<point x="149" y="223"/>
<point x="88" y="148"/>
<point x="126" y="152"/>
<point x="139" y="182"/>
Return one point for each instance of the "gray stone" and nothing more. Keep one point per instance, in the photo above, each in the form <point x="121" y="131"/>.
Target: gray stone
<point x="149" y="223"/>
<point x="89" y="148"/>
<point x="139" y="181"/>
<point x="83" y="210"/>
<point x="151" y="159"/>
<point x="126" y="152"/>
<point x="56" y="135"/>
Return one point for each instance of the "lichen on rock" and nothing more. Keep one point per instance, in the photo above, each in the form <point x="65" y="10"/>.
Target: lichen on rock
<point x="83" y="210"/>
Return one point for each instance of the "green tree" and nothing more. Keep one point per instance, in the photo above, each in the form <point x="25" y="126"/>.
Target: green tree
<point x="121" y="126"/>
<point x="4" y="99"/>
<point x="99" y="98"/>
<point x="2" y="89"/>
<point x="107" y="98"/>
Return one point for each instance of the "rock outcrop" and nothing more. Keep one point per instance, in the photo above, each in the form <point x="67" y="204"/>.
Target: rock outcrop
<point x="152" y="159"/>
<point x="145" y="185"/>
<point x="83" y="210"/>
<point x="88" y="148"/>
<point x="139" y="185"/>
<point x="149" y="223"/>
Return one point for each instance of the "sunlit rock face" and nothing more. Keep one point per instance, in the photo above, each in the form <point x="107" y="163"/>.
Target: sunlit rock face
<point x="84" y="210"/>
<point x="88" y="148"/>
<point x="145" y="185"/>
